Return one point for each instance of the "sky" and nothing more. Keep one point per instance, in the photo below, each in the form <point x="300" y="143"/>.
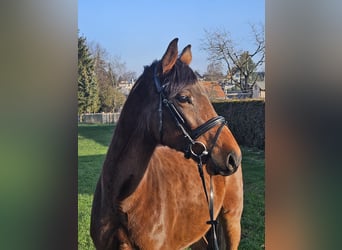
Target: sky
<point x="138" y="32"/>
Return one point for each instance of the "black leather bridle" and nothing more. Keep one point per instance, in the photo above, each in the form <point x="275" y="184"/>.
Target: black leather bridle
<point x="194" y="149"/>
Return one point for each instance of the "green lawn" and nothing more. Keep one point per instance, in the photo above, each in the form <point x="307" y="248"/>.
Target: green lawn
<point x="93" y="142"/>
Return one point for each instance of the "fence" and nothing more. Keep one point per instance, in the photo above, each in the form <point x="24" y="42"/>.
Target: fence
<point x="101" y="118"/>
<point x="239" y="94"/>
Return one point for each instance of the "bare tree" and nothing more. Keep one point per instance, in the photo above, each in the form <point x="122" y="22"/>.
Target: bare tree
<point x="108" y="71"/>
<point x="214" y="71"/>
<point x="221" y="48"/>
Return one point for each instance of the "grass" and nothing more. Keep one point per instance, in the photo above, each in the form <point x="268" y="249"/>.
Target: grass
<point x="93" y="141"/>
<point x="253" y="224"/>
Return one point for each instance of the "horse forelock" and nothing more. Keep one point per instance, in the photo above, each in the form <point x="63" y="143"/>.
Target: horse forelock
<point x="180" y="76"/>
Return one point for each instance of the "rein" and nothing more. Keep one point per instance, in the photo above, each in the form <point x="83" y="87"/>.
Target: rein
<point x="196" y="149"/>
<point x="210" y="200"/>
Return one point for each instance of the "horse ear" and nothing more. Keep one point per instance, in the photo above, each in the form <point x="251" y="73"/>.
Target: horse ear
<point x="170" y="57"/>
<point x="186" y="55"/>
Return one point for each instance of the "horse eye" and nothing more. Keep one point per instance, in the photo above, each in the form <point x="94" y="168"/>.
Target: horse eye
<point x="183" y="98"/>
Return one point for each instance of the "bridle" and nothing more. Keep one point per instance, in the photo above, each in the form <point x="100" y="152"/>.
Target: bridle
<point x="195" y="149"/>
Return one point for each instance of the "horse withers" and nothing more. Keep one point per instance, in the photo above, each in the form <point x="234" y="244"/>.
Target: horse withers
<point x="149" y="196"/>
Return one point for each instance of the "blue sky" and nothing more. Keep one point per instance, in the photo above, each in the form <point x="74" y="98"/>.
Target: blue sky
<point x="139" y="31"/>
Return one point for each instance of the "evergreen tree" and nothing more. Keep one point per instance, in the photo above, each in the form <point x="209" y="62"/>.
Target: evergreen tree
<point x="88" y="96"/>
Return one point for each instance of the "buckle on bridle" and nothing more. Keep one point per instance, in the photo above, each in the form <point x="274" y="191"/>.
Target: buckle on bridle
<point x="196" y="149"/>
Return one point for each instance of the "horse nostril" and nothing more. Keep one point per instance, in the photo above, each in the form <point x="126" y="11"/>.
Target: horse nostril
<point x="233" y="161"/>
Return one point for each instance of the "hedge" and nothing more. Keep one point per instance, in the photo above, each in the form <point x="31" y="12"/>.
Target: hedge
<point x="246" y="120"/>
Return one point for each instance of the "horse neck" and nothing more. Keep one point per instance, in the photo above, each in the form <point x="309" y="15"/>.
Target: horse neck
<point x="126" y="161"/>
<point x="131" y="147"/>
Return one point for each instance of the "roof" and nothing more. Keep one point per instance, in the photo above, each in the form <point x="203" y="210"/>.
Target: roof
<point x="213" y="90"/>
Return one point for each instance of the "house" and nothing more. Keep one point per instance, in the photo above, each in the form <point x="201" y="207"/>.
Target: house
<point x="260" y="76"/>
<point x="259" y="89"/>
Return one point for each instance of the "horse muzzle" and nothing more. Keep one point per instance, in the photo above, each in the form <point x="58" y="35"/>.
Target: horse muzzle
<point x="232" y="163"/>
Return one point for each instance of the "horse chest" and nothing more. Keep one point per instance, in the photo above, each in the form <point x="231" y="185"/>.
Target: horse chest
<point x="160" y="216"/>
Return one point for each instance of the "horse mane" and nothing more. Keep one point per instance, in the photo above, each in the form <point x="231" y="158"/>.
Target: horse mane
<point x="173" y="81"/>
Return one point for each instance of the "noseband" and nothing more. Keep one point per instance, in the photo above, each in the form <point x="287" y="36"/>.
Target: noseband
<point x="195" y="148"/>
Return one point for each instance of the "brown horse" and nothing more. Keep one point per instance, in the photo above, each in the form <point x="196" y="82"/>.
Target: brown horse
<point x="151" y="197"/>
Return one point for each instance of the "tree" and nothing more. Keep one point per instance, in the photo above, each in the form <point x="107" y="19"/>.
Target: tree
<point x="106" y="80"/>
<point x="214" y="71"/>
<point x="88" y="97"/>
<point x="108" y="73"/>
<point x="221" y="48"/>
<point x="246" y="67"/>
<point x="113" y="100"/>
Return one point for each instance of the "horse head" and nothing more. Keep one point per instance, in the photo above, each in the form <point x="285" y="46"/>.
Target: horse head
<point x="178" y="113"/>
<point x="184" y="118"/>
